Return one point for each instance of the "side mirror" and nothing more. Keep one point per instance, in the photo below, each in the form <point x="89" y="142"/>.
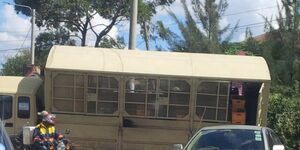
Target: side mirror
<point x="278" y="147"/>
<point x="177" y="147"/>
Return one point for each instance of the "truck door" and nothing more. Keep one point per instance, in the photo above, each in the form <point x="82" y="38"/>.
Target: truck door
<point x="6" y="112"/>
<point x="23" y="109"/>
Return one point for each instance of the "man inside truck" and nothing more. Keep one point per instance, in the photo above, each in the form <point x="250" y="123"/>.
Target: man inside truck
<point x="45" y="134"/>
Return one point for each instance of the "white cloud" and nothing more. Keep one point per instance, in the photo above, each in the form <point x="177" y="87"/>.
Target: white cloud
<point x="14" y="21"/>
<point x="265" y="8"/>
<point x="14" y="32"/>
<point x="13" y="27"/>
<point x="234" y="7"/>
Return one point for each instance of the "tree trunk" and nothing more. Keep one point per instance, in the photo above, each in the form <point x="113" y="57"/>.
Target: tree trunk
<point x="84" y="31"/>
<point x="105" y="31"/>
<point x="83" y="40"/>
<point x="146" y="36"/>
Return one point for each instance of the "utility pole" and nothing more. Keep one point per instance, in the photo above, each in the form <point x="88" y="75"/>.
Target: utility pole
<point x="132" y="44"/>
<point x="133" y="24"/>
<point x="32" y="36"/>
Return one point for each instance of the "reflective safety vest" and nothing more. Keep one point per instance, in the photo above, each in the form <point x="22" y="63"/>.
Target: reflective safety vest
<point x="43" y="133"/>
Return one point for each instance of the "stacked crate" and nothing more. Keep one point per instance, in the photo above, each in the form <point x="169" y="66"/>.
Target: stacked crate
<point x="238" y="111"/>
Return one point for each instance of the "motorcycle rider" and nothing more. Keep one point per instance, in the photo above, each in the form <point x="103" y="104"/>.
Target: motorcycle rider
<point x="40" y="116"/>
<point x="45" y="133"/>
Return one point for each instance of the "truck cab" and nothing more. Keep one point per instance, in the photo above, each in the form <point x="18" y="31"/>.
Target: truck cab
<point x="19" y="102"/>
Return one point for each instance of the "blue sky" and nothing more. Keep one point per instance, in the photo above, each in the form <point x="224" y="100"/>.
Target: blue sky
<point x="15" y="28"/>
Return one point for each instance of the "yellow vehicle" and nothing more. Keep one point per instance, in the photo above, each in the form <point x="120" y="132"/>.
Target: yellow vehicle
<point x="19" y="101"/>
<point x="143" y="100"/>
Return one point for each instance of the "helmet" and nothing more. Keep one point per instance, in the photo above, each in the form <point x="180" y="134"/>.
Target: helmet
<point x="50" y="118"/>
<point x="43" y="113"/>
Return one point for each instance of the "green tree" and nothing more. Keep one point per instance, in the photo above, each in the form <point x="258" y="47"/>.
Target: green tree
<point x="145" y="14"/>
<point x="46" y="40"/>
<point x="281" y="48"/>
<point x="112" y="43"/>
<point x="199" y="33"/>
<point x="284" y="115"/>
<point x="77" y="15"/>
<point x="14" y="65"/>
<point x="235" y="48"/>
<point x="250" y="46"/>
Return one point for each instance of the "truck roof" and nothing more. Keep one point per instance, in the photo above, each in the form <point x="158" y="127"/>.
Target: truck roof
<point x="19" y="85"/>
<point x="191" y="65"/>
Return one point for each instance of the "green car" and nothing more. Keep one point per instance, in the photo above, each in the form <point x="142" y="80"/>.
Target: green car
<point x="233" y="137"/>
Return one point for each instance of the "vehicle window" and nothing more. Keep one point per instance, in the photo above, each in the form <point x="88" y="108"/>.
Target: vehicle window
<point x="212" y="100"/>
<point x="228" y="139"/>
<point x="270" y="141"/>
<point x="23" y="107"/>
<point x="81" y="93"/>
<point x="157" y="98"/>
<point x="273" y="139"/>
<point x="6" y="107"/>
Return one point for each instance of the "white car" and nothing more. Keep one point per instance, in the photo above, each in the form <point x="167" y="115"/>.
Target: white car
<point x="233" y="137"/>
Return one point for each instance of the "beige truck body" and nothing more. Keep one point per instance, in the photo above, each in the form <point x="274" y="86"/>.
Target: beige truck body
<point x="89" y="74"/>
<point x="140" y="100"/>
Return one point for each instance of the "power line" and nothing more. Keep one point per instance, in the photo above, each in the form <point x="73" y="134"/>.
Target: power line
<point x="250" y="10"/>
<point x="24" y="40"/>
<point x="13" y="40"/>
<point x="237" y="13"/>
<point x="15" y="31"/>
<point x="254" y="24"/>
<point x="13" y="49"/>
<point x="17" y="49"/>
<point x="250" y="27"/>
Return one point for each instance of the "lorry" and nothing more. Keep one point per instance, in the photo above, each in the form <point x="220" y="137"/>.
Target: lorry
<point x="113" y="99"/>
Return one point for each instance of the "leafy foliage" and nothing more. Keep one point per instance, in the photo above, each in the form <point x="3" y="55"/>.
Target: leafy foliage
<point x="281" y="48"/>
<point x="111" y="43"/>
<point x="46" y="40"/>
<point x="77" y="15"/>
<point x="199" y="33"/>
<point x="146" y="10"/>
<point x="284" y="115"/>
<point x="235" y="48"/>
<point x="250" y="46"/>
<point x="14" y="65"/>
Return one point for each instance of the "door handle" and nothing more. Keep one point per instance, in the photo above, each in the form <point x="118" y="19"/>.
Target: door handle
<point x="8" y="124"/>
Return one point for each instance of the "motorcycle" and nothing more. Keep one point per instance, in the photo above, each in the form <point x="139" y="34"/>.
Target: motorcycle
<point x="51" y="144"/>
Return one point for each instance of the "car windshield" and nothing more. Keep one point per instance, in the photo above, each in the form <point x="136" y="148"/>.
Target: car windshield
<point x="228" y="139"/>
